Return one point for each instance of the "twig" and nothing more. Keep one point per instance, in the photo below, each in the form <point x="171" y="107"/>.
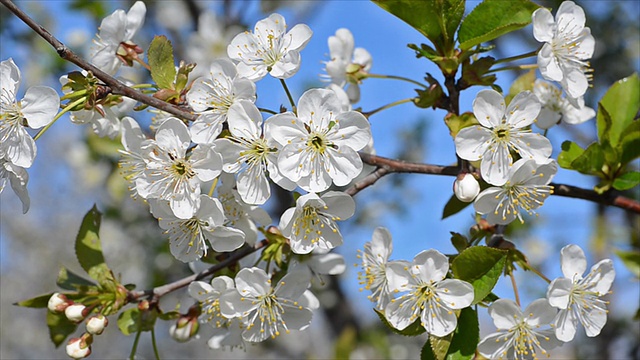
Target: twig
<point x="116" y="86"/>
<point x="608" y="198"/>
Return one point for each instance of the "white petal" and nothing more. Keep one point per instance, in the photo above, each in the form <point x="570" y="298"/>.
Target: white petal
<point x="344" y="165"/>
<point x="398" y="276"/>
<point x="402" y="312"/>
<point x="206" y="128"/>
<point x="439" y="321"/>
<point x="21" y="149"/>
<point x="200" y="290"/>
<point x="296" y="318"/>
<point x="292" y="285"/>
<point x="539" y="312"/>
<point x="559" y="291"/>
<point x="456" y="294"/>
<point x="329" y="264"/>
<point x="40" y="106"/>
<point x="472" y="142"/>
<point x="339" y="205"/>
<point x="381" y="244"/>
<point x="430" y="265"/>
<point x="489" y="108"/>
<point x="548" y="64"/>
<point x="565" y="325"/>
<point x="252" y="282"/>
<point x="495" y="167"/>
<point x="318" y="107"/>
<point x="224" y="239"/>
<point x="504" y="313"/>
<point x="497" y="345"/>
<point x="244" y="120"/>
<point x="253" y="185"/>
<point x="298" y="37"/>
<point x="533" y="146"/>
<point x="354" y="131"/>
<point x="543" y="25"/>
<point x="207" y="163"/>
<point x="285" y="127"/>
<point x="523" y="109"/>
<point x="9" y="79"/>
<point x="603" y="275"/>
<point x="573" y="262"/>
<point x="135" y="19"/>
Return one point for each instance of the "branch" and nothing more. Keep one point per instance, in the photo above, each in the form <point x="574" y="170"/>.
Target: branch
<point x="386" y="166"/>
<point x="117" y="87"/>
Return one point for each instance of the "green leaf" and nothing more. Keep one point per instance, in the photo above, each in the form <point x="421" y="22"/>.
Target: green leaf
<point x="494" y="18"/>
<point x="427" y="353"/>
<point x="163" y="68"/>
<point x="480" y="266"/>
<point x="133" y="320"/>
<point x="414" y="329"/>
<point x="456" y="123"/>
<point x="621" y="103"/>
<point x="630" y="259"/>
<point x="59" y="327"/>
<point x="629" y="146"/>
<point x="459" y="241"/>
<point x="440" y="345"/>
<point x="435" y="19"/>
<point x="522" y="83"/>
<point x="465" y="337"/>
<point x="69" y="281"/>
<point x="37" y="302"/>
<point x="89" y="249"/>
<point x="627" y="181"/>
<point x="454" y="206"/>
<point x="570" y="152"/>
<point x="590" y="161"/>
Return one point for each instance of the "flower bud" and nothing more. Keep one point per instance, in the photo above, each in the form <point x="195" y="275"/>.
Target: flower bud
<point x="466" y="187"/>
<point x="58" y="303"/>
<point x="78" y="348"/>
<point x="186" y="327"/>
<point x="96" y="324"/>
<point x="76" y="312"/>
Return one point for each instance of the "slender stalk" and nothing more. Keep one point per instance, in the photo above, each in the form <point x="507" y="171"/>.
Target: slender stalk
<point x="71" y="95"/>
<point x="144" y="64"/>
<point x="390" y="105"/>
<point x="514" y="67"/>
<point x="518" y="57"/>
<point x="142" y="86"/>
<point x="535" y="271"/>
<point x="153" y="343"/>
<point x="267" y="111"/>
<point x="58" y="115"/>
<point x="286" y="89"/>
<point x="395" y="77"/>
<point x="134" y="349"/>
<point x="213" y="186"/>
<point x="515" y="288"/>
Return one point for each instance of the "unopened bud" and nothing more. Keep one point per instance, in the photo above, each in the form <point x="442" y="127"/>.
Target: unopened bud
<point x="58" y="303"/>
<point x="76" y="312"/>
<point x="96" y="324"/>
<point x="185" y="328"/>
<point x="78" y="348"/>
<point x="466" y="187"/>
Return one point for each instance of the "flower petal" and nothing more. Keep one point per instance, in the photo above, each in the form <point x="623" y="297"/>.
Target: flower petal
<point x="472" y="142"/>
<point x="573" y="262"/>
<point x="489" y="108"/>
<point x="456" y="294"/>
<point x="40" y="105"/>
<point x="505" y="313"/>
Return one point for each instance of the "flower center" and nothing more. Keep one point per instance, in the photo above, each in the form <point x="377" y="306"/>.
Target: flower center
<point x="317" y="142"/>
<point x="182" y="169"/>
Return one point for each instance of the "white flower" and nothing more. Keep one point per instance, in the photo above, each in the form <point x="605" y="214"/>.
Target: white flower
<point x="211" y="96"/>
<point x="375" y="260"/>
<point x="209" y="42"/>
<point x="312" y="223"/>
<point x="342" y="96"/>
<point x="429" y="296"/>
<point x="555" y="108"/>
<point x="18" y="178"/>
<point x="267" y="311"/>
<point x="37" y="108"/>
<point x="500" y="131"/>
<point x="172" y="175"/>
<point x="76" y="312"/>
<point x="318" y="263"/>
<point x="320" y="144"/>
<point x="578" y="298"/>
<point x="188" y="237"/>
<point x="568" y="46"/>
<point x="240" y="215"/>
<point x="251" y="152"/>
<point x="519" y="335"/>
<point x="227" y="332"/>
<point x="348" y="66"/>
<point x="132" y="162"/>
<point x="96" y="324"/>
<point x="527" y="189"/>
<point x="269" y="49"/>
<point x="466" y="187"/>
<point x="113" y="47"/>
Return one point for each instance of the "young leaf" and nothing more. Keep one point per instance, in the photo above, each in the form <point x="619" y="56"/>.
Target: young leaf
<point x="570" y="152"/>
<point x="629" y="146"/>
<point x="621" y="102"/>
<point x="480" y="266"/>
<point x="89" y="249"/>
<point x="590" y="161"/>
<point x="69" y="281"/>
<point x="414" y="329"/>
<point x="459" y="241"/>
<point x="440" y="345"/>
<point x="465" y="337"/>
<point x="494" y="18"/>
<point x="163" y="68"/>
<point x="59" y="327"/>
<point x="37" y="302"/>
<point x="427" y="353"/>
<point x="133" y="320"/>
<point x="627" y="181"/>
<point x="454" y="206"/>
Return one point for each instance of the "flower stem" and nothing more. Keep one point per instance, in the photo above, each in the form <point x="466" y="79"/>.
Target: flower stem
<point x="267" y="111"/>
<point x="286" y="89"/>
<point x="535" y="271"/>
<point x="515" y="288"/>
<point x="66" y="109"/>
<point x="213" y="186"/>
<point x="132" y="355"/>
<point x="153" y="343"/>
<point x="394" y="77"/>
<point x="73" y="94"/>
<point x="144" y="64"/>
<point x="390" y="105"/>
<point x="515" y="67"/>
<point x="518" y="57"/>
<point x="142" y="86"/>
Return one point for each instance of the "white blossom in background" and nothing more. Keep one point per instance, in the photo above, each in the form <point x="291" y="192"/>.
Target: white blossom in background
<point x="251" y="153"/>
<point x="348" y="66"/>
<point x="342" y="96"/>
<point x="375" y="260"/>
<point x="188" y="237"/>
<point x="318" y="263"/>
<point x="212" y="95"/>
<point x="519" y="333"/>
<point x="18" y="178"/>
<point x="37" y="108"/>
<point x="501" y="130"/>
<point x="267" y="311"/>
<point x="555" y="108"/>
<point x="428" y="296"/>
<point x="269" y="49"/>
<point x="580" y="298"/>
<point x="239" y="214"/>
<point x="209" y="42"/>
<point x="311" y="224"/>
<point x="526" y="190"/>
<point x="320" y="144"/>
<point x="170" y="174"/>
<point x="132" y="163"/>
<point x="226" y="332"/>
<point x="568" y="45"/>
<point x="114" y="46"/>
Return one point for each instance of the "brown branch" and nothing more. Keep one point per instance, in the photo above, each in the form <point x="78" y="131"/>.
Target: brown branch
<point x="608" y="198"/>
<point x="116" y="86"/>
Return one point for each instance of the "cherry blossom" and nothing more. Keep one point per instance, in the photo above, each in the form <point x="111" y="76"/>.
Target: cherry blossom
<point x="320" y="143"/>
<point x="348" y="66"/>
<point x="428" y="296"/>
<point x="466" y="187"/>
<point x="209" y="42"/>
<point x="269" y="49"/>
<point x="580" y="298"/>
<point x="519" y="335"/>
<point x="18" y="178"/>
<point x="311" y="224"/>
<point x="568" y="46"/>
<point x="527" y="189"/>
<point x="501" y="130"/>
<point x="555" y="108"/>
<point x="37" y="108"/>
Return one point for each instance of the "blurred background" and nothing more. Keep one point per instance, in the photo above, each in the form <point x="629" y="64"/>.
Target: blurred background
<point x="75" y="169"/>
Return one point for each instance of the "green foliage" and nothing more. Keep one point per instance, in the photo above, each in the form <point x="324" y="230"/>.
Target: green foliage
<point x="475" y="73"/>
<point x="480" y="266"/>
<point x="346" y="343"/>
<point x="37" y="302"/>
<point x="459" y="241"/>
<point x="89" y="249"/>
<point x="427" y="353"/>
<point x="433" y="97"/>
<point x="522" y="83"/>
<point x="462" y="343"/>
<point x="617" y="109"/>
<point x="134" y="320"/>
<point x="59" y="327"/>
<point x="494" y="18"/>
<point x="630" y="259"/>
<point x="455" y="123"/>
<point x="454" y="205"/>
<point x="627" y="180"/>
<point x="69" y="281"/>
<point x="414" y="329"/>
<point x="160" y="56"/>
